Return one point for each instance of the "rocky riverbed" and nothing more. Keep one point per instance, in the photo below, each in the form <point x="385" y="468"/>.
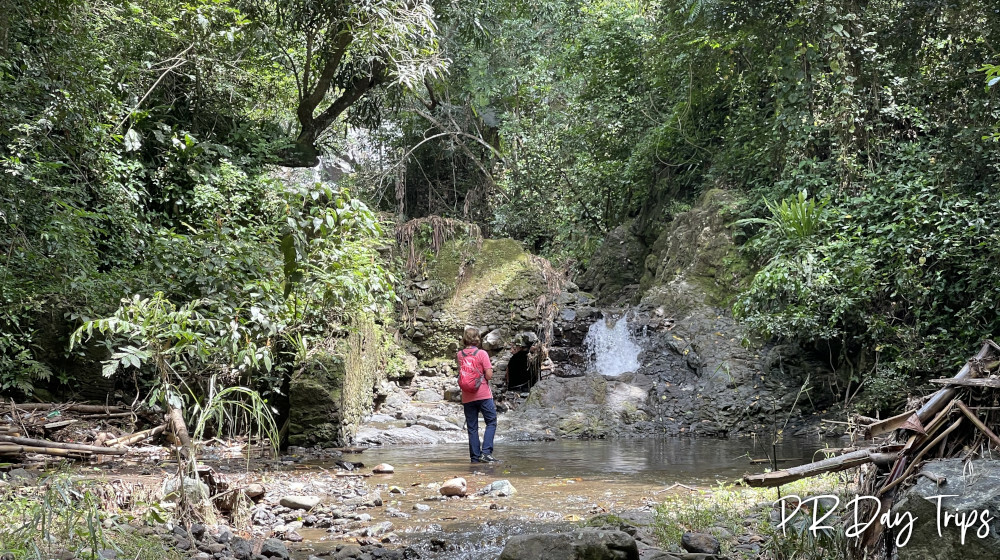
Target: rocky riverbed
<point x="430" y="505"/>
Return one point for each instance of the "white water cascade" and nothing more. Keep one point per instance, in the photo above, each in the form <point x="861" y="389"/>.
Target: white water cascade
<point x="615" y="351"/>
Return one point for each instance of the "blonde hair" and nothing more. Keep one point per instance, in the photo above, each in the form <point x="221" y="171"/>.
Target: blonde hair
<point x="470" y="337"/>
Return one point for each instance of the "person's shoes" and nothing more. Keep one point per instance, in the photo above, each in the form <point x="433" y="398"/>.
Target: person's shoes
<point x="487" y="458"/>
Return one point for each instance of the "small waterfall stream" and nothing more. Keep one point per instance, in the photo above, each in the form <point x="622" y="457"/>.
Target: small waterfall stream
<point x="614" y="350"/>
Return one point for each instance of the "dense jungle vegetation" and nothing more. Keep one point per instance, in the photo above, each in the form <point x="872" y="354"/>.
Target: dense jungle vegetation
<point x="141" y="198"/>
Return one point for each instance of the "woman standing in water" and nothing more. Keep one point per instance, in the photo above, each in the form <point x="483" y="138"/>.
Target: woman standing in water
<point x="474" y="374"/>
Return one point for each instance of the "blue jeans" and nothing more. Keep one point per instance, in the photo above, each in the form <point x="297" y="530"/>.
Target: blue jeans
<point x="472" y="410"/>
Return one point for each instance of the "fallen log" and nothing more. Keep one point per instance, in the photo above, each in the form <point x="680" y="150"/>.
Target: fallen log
<point x="137" y="437"/>
<point x="81" y="408"/>
<point x="56" y="445"/>
<point x="832" y="464"/>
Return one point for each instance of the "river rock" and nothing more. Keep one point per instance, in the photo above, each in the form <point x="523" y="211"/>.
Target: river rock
<point x="254" y="491"/>
<point x="241" y="548"/>
<point x="428" y="395"/>
<point x="700" y="543"/>
<point x="494" y="340"/>
<point x="274" y="548"/>
<point x="299" y="502"/>
<point x="499" y="488"/>
<point x="970" y="488"/>
<point x="372" y="499"/>
<point x="585" y="544"/>
<point x="223" y="535"/>
<point x="20" y="477"/>
<point x="454" y="487"/>
<point x="384" y="468"/>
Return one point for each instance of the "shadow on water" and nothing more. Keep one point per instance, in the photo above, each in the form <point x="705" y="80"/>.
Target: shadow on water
<point x="559" y="483"/>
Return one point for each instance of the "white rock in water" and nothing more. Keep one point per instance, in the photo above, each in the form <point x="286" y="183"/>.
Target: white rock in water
<point x="299" y="502"/>
<point x="384" y="468"/>
<point x="499" y="488"/>
<point x="454" y="487"/>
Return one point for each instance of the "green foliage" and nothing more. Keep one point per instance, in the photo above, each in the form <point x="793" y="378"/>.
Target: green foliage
<point x="876" y="139"/>
<point x="134" y="161"/>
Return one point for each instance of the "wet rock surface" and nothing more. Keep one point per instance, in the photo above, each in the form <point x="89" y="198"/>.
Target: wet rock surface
<point x="972" y="488"/>
<point x="698" y="374"/>
<point x="584" y="544"/>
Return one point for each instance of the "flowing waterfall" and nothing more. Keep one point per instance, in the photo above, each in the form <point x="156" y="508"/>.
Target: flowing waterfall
<point x="614" y="350"/>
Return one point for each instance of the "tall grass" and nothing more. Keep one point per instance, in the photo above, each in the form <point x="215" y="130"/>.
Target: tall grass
<point x="62" y="516"/>
<point x="740" y="510"/>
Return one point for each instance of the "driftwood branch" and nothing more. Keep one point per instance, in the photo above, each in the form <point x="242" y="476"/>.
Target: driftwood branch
<point x="55" y="445"/>
<point x="916" y="460"/>
<point x="889" y="424"/>
<point x="946" y="395"/>
<point x="833" y="464"/>
<point x="978" y="423"/>
<point x="9" y="449"/>
<point x="138" y="436"/>
<point x="989" y="383"/>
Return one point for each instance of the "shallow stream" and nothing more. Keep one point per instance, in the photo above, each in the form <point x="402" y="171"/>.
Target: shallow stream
<point x="558" y="483"/>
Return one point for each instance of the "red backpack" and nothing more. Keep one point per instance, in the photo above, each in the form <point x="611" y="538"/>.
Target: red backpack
<point x="470" y="375"/>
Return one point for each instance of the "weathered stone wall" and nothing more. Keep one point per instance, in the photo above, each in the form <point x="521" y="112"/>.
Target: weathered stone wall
<point x="494" y="285"/>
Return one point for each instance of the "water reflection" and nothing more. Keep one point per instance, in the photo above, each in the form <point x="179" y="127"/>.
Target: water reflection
<point x="654" y="461"/>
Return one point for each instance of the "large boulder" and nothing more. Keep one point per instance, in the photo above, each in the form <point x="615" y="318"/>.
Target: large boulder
<point x="971" y="489"/>
<point x="585" y="544"/>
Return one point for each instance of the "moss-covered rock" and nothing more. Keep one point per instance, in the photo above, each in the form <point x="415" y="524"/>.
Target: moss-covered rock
<point x="334" y="389"/>
<point x="315" y="415"/>
<point x="494" y="284"/>
<point x="694" y="262"/>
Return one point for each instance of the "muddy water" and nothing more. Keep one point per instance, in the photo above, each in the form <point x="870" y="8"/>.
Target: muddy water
<point x="558" y="483"/>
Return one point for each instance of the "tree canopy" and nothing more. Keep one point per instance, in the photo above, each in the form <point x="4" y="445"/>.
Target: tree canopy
<point x="140" y="140"/>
